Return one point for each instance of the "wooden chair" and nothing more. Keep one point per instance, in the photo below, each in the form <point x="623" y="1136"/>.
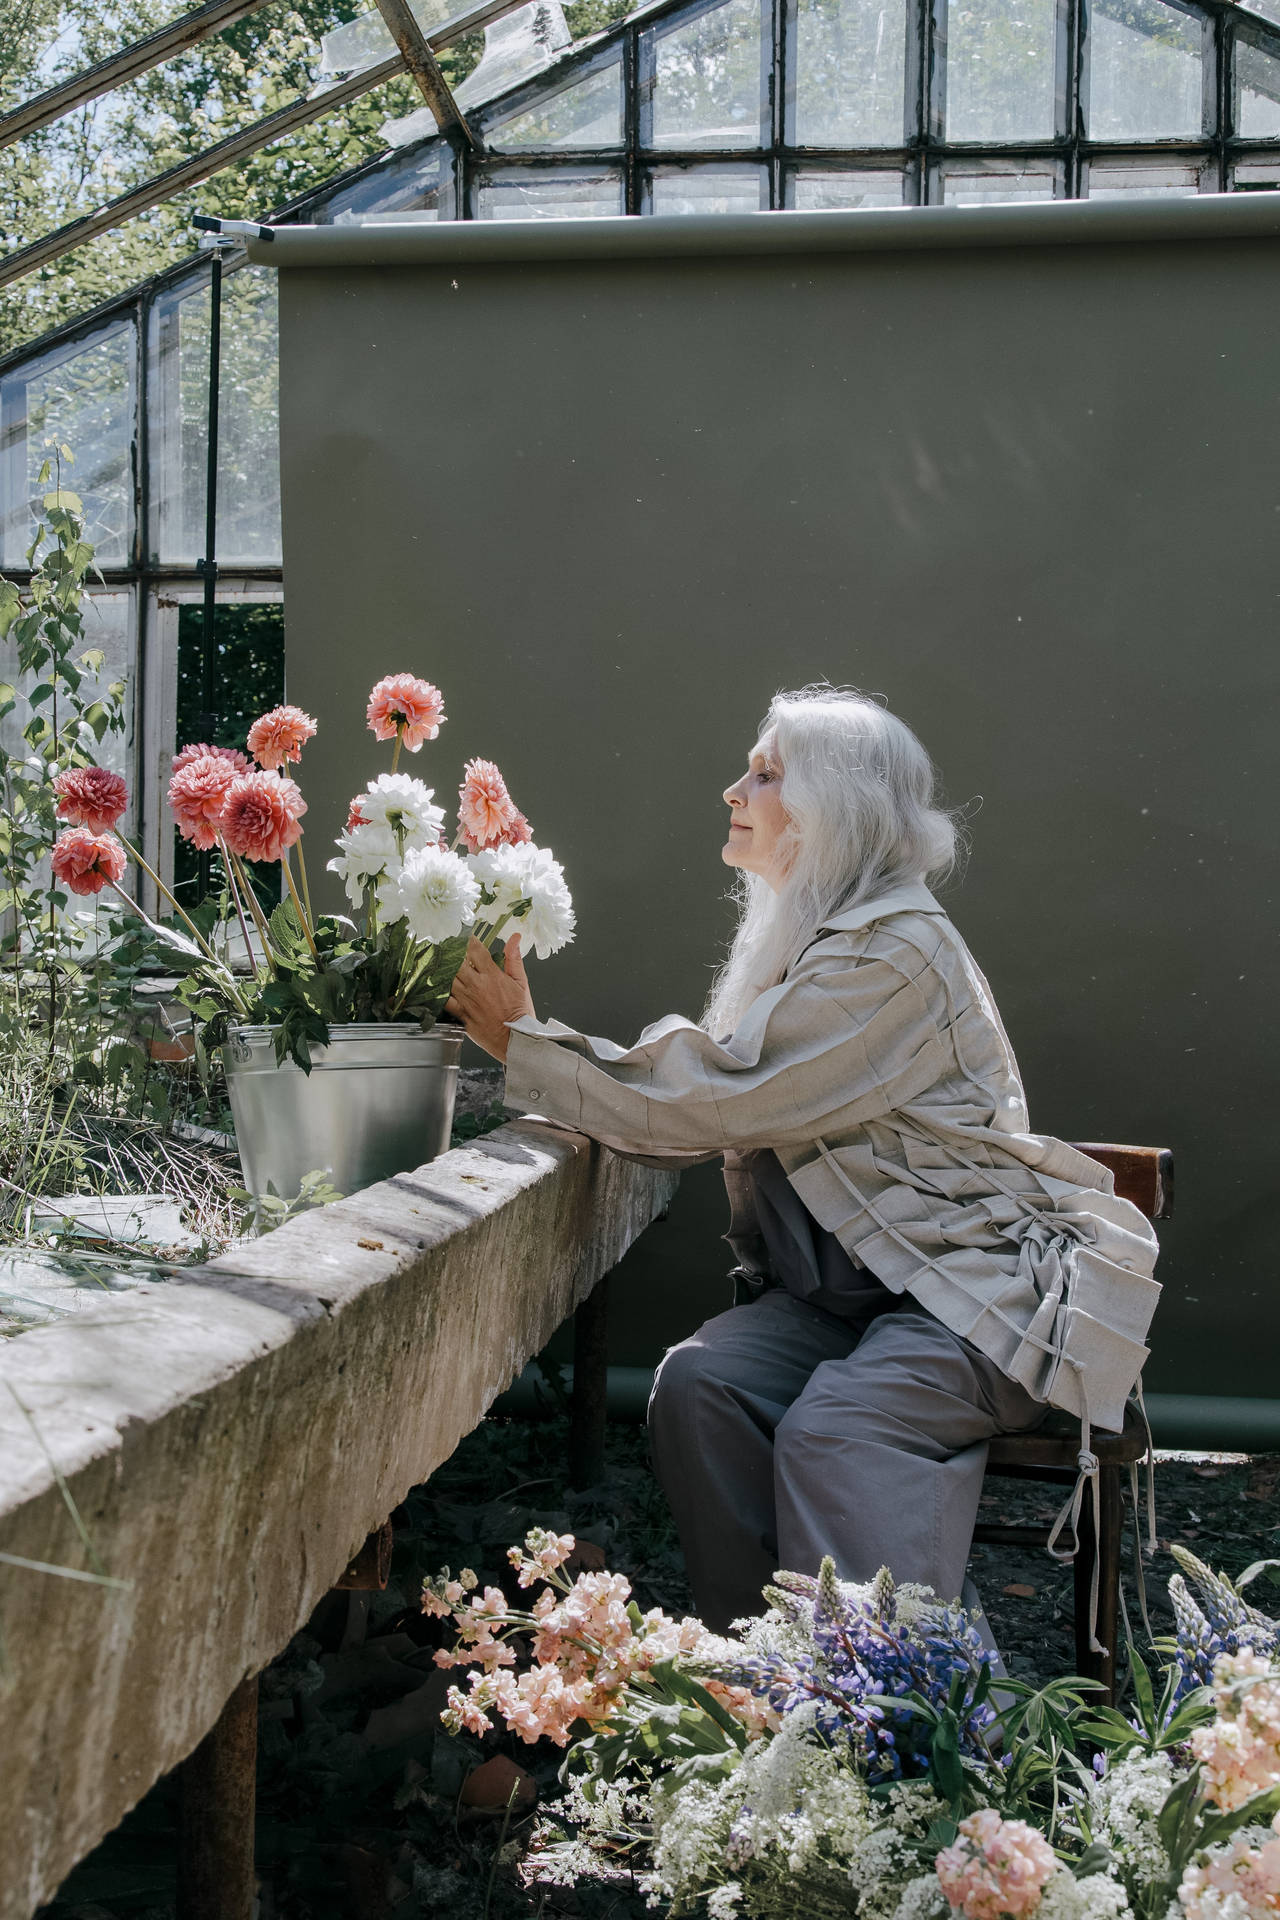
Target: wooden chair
<point x="1143" y="1175"/>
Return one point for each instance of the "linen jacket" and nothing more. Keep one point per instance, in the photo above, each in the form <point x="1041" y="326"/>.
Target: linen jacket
<point x="880" y="1074"/>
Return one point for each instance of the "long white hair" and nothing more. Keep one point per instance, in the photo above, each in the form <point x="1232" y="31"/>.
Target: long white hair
<point x="859" y="792"/>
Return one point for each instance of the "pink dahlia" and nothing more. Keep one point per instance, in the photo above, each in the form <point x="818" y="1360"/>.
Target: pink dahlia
<point x="90" y="797"/>
<point x="404" y="705"/>
<point x="199" y="751"/>
<point x="279" y="736"/>
<point x="87" y="862"/>
<point x="260" y="818"/>
<point x="197" y="794"/>
<point x="487" y="815"/>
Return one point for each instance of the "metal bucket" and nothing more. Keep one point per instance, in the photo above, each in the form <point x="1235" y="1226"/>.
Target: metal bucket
<point x="378" y="1101"/>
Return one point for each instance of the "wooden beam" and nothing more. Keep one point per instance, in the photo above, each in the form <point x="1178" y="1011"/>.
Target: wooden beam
<point x="138" y="58"/>
<point x="423" y="65"/>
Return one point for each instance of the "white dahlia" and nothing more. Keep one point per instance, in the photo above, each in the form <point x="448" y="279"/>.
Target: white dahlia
<point x="434" y="892"/>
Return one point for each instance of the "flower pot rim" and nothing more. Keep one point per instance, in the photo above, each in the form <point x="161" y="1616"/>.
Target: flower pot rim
<point x="364" y="1028"/>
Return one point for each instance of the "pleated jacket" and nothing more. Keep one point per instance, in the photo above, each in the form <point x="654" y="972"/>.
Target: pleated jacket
<point x="880" y="1074"/>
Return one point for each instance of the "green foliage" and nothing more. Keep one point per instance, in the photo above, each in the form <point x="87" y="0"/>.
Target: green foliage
<point x="380" y="975"/>
<point x="270" y="1211"/>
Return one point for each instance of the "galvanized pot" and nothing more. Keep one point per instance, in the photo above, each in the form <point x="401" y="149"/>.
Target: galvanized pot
<point x="378" y="1100"/>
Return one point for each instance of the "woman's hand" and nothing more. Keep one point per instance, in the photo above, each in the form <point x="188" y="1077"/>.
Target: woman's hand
<point x="485" y="996"/>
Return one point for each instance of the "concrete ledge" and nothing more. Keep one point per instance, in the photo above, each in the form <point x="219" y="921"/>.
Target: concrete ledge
<point x="229" y="1441"/>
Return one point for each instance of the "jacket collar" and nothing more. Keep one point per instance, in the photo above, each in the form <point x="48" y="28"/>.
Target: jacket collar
<point x="914" y="897"/>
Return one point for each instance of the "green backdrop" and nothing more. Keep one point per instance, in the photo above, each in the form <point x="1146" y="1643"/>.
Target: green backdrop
<point x="612" y="483"/>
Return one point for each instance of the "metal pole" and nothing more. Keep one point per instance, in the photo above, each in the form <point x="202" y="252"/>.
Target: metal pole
<point x="218" y="1787"/>
<point x="208" y="566"/>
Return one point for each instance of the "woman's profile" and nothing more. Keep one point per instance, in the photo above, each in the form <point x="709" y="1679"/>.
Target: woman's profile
<point x="920" y="1270"/>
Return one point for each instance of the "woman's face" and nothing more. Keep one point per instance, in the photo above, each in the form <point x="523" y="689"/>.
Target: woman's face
<point x="757" y="821"/>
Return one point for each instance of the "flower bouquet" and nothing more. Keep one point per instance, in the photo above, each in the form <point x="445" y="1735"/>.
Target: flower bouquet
<point x="270" y="984"/>
<point x="416" y="900"/>
<point x="850" y="1753"/>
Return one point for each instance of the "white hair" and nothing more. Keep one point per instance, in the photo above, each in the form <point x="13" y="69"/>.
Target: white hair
<point x="860" y="797"/>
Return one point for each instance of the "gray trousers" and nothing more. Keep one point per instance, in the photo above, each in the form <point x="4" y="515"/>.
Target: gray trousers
<point x="781" y="1433"/>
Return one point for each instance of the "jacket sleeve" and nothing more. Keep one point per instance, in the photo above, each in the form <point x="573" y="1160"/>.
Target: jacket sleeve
<point x="843" y="1039"/>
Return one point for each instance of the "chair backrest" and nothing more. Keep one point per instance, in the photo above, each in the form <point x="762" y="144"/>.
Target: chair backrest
<point x="1143" y="1175"/>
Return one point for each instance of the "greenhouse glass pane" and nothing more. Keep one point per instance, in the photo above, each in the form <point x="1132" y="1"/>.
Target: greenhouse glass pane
<point x="1269" y="9"/>
<point x="516" y="47"/>
<point x="850" y="74"/>
<point x="1001" y="70"/>
<point x="82" y="395"/>
<point x="248" y="422"/>
<point x="1257" y="79"/>
<point x="415" y="185"/>
<point x="109" y="629"/>
<point x="1116" y="179"/>
<point x="559" y="195"/>
<point x="708" y="190"/>
<point x="991" y="184"/>
<point x="853" y="188"/>
<point x="366" y="40"/>
<point x="706" y="89"/>
<point x="586" y="114"/>
<point x="1259" y="175"/>
<point x="1146" y="67"/>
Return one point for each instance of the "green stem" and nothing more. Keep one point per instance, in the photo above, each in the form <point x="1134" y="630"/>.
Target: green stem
<point x="300" y="911"/>
<point x="395" y="751"/>
<point x="306" y="891"/>
<point x="178" y="908"/>
<point x="231" y="882"/>
<point x="232" y="989"/>
<point x="259" y="918"/>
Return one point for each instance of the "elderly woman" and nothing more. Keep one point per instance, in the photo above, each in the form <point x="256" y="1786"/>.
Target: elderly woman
<point x="906" y="1241"/>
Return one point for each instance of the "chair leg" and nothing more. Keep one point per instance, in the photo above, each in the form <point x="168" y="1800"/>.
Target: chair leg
<point x="1105" y="1550"/>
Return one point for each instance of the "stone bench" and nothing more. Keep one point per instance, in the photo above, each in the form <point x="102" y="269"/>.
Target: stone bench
<point x="230" y="1440"/>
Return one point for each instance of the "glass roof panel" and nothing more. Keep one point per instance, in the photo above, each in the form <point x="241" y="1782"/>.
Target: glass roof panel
<point x="1257" y="90"/>
<point x="1145" y="71"/>
<point x="1144" y="178"/>
<point x="978" y="183"/>
<point x="560" y="193"/>
<point x="816" y="191"/>
<point x="678" y="190"/>
<point x="516" y="48"/>
<point x="1001" y="68"/>
<point x="364" y="41"/>
<point x="706" y="85"/>
<point x="849" y="84"/>
<point x="587" y="113"/>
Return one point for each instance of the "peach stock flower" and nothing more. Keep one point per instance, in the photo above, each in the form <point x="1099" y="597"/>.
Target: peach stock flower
<point x="279" y="736"/>
<point x="260" y="816"/>
<point x="90" y="797"/>
<point x="199" y="751"/>
<point x="198" y="793"/>
<point x="87" y="862"/>
<point x="1240" y="1749"/>
<point x="403" y="705"/>
<point x="995" y="1867"/>
<point x="487" y="815"/>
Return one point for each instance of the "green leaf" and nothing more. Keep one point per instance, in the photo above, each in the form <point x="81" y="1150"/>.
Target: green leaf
<point x="64" y="501"/>
<point x="39" y="694"/>
<point x="1143" y="1691"/>
<point x="1256" y="1811"/>
<point x="1270" y="1567"/>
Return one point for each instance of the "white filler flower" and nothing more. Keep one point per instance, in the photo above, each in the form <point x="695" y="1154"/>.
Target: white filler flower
<point x="405" y="808"/>
<point x="435" y="893"/>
